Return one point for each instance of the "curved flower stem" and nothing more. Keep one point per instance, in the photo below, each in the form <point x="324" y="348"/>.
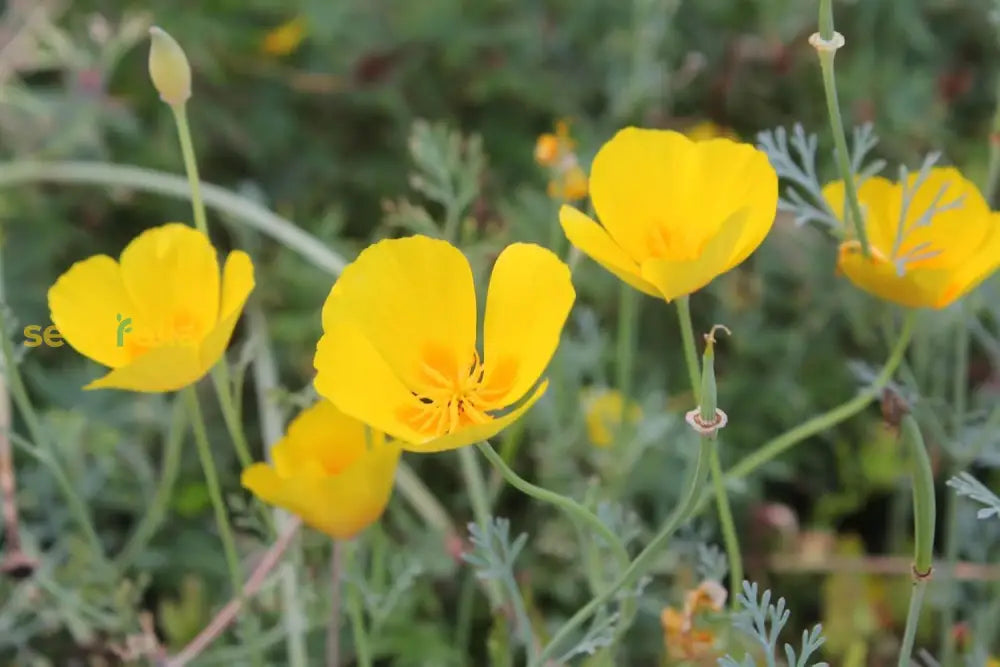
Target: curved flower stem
<point x="214" y="490"/>
<point x="690" y="351"/>
<point x="355" y="611"/>
<point x="118" y="175"/>
<point x="230" y="415"/>
<point x="726" y="523"/>
<point x="827" y="49"/>
<point x="697" y="476"/>
<point x="170" y="467"/>
<point x="568" y="505"/>
<point x="232" y="609"/>
<point x="571" y="507"/>
<point x="23" y="402"/>
<point x="190" y="166"/>
<point x="333" y="629"/>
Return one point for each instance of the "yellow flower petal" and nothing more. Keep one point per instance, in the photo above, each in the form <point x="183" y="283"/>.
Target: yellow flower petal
<point x="469" y="435"/>
<point x="745" y="181"/>
<point x="84" y="304"/>
<point x="166" y="368"/>
<point x="521" y="334"/>
<point x="674" y="279"/>
<point x="172" y="276"/>
<point x="593" y="240"/>
<point x="412" y="298"/>
<point x="644" y="178"/>
<point x="237" y="283"/>
<point x="916" y="288"/>
<point x="355" y="378"/>
<point x="331" y="470"/>
<point x="976" y="268"/>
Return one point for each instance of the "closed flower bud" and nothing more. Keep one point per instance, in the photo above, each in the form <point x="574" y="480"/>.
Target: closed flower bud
<point x="169" y="68"/>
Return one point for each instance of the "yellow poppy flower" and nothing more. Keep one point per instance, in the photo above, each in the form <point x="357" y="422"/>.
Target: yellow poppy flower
<point x="949" y="240"/>
<point x="676" y="213"/>
<point x="331" y="470"/>
<point x="993" y="662"/>
<point x="604" y="410"/>
<point x="285" y="38"/>
<point x="399" y="340"/>
<point x="160" y="317"/>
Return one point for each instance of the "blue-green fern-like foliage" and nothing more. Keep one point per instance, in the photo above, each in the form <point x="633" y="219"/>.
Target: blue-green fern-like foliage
<point x="763" y="621"/>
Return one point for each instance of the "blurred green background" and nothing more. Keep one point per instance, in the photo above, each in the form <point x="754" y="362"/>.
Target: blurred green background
<point x="317" y="119"/>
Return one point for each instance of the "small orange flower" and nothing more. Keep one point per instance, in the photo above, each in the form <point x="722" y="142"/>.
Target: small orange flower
<point x="683" y="641"/>
<point x="556" y="151"/>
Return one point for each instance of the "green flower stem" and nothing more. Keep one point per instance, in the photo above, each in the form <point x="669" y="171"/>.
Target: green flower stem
<point x="826" y="52"/>
<point x="169" y="469"/>
<point x="475" y="484"/>
<point x="20" y="395"/>
<point x="703" y="386"/>
<point x="781" y="444"/>
<point x="924" y="513"/>
<point x="690" y="351"/>
<point x="697" y="476"/>
<point x="230" y="415"/>
<point x="190" y="167"/>
<point x="729" y="538"/>
<point x="912" y="616"/>
<point x="214" y="490"/>
<point x="355" y="611"/>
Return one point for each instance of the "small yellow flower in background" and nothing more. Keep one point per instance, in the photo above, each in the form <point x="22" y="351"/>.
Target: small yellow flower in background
<point x="604" y="410"/>
<point x="706" y="129"/>
<point x="675" y="213"/>
<point x="568" y="181"/>
<point x="682" y="640"/>
<point x="399" y="340"/>
<point x="329" y="469"/>
<point x="160" y="317"/>
<point x="947" y="242"/>
<point x="993" y="662"/>
<point x="284" y="39"/>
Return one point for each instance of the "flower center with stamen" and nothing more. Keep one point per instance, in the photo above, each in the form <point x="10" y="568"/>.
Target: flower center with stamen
<point x="450" y="393"/>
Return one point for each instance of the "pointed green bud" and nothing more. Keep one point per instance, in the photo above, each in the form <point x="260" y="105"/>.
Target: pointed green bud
<point x="169" y="68"/>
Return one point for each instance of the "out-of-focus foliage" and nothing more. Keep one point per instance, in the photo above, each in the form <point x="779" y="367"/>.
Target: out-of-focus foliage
<point x="365" y="119"/>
